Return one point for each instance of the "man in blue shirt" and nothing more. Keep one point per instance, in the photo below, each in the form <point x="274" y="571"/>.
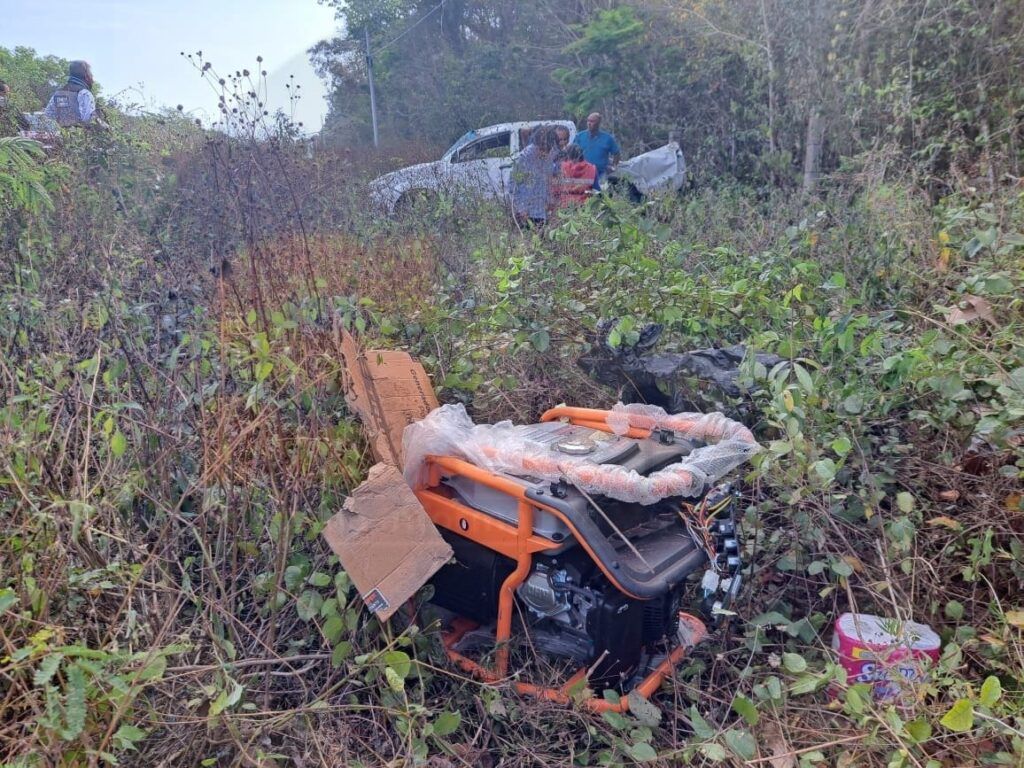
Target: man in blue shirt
<point x="599" y="147"/>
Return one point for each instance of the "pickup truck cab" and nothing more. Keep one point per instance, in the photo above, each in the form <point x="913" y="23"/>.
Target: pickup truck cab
<point x="479" y="165"/>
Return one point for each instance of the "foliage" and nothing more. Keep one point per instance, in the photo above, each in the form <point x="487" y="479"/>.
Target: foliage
<point x="608" y="43"/>
<point x="173" y="438"/>
<point x="452" y="66"/>
<point x="22" y="180"/>
<point x="739" y="81"/>
<point x="32" y="78"/>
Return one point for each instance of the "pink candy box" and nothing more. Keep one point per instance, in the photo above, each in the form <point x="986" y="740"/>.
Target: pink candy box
<point x="891" y="656"/>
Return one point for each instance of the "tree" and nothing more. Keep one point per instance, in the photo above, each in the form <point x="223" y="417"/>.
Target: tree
<point x="774" y="92"/>
<point x="607" y="46"/>
<point x="32" y="77"/>
<point x="22" y="176"/>
<point x="441" y="69"/>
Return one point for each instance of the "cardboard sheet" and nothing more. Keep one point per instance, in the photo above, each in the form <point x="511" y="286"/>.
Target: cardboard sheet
<point x="388" y="390"/>
<point x="383" y="537"/>
<point x="385" y="541"/>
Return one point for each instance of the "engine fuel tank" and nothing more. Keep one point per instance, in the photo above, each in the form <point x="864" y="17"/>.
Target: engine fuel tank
<point x="644" y="456"/>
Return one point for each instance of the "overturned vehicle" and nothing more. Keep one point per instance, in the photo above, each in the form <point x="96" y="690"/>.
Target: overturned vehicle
<point x="479" y="165"/>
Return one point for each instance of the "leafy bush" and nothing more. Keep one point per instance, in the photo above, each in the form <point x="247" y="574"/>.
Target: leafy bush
<point x="173" y="439"/>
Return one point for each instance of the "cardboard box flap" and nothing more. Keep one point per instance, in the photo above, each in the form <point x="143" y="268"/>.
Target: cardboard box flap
<point x="385" y="541"/>
<point x="388" y="390"/>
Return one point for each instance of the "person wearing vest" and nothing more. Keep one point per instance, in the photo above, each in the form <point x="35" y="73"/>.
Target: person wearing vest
<point x="575" y="178"/>
<point x="73" y="104"/>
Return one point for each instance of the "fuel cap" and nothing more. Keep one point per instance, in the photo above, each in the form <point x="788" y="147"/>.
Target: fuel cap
<point x="574" y="446"/>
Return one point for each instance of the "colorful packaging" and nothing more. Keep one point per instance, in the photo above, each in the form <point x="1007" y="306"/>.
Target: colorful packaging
<point x="892" y="656"/>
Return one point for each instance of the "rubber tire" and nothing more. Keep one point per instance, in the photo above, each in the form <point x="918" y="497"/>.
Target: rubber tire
<point x="412" y="199"/>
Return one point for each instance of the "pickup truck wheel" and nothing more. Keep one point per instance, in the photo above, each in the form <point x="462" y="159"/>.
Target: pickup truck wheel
<point x="626" y="189"/>
<point x="414" y="199"/>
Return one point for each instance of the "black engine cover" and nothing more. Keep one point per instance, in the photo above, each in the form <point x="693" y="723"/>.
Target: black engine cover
<point x="470" y="586"/>
<point x="616" y="625"/>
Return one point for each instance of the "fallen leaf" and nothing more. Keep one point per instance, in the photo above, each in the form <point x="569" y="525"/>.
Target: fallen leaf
<point x="971" y="308"/>
<point x="854" y="563"/>
<point x="960" y="717"/>
<point x="1013" y="502"/>
<point x="1015" y="619"/>
<point x="643" y="710"/>
<point x="782" y="754"/>
<point x="978" y="464"/>
<point x="952" y="495"/>
<point x="946" y="522"/>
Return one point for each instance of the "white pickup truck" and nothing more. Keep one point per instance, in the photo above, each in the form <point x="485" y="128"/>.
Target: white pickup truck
<point x="480" y="165"/>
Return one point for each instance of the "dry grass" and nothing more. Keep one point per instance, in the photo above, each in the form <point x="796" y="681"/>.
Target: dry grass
<point x="191" y="541"/>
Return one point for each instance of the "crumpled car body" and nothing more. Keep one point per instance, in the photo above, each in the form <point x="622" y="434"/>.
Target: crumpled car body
<point x="479" y="166"/>
<point x="661" y="169"/>
<point x="676" y="381"/>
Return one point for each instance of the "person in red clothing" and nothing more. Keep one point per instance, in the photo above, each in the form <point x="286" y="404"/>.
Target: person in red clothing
<point x="575" y="178"/>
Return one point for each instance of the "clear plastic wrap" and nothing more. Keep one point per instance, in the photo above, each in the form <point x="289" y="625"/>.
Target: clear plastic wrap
<point x="448" y="431"/>
<point x="709" y="427"/>
<point x="505" y="447"/>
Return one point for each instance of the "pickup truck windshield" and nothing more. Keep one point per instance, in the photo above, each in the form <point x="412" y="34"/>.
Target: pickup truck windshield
<point x="495" y="145"/>
<point x="464" y="139"/>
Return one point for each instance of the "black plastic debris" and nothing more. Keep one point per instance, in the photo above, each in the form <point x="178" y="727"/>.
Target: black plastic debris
<point x="676" y="381"/>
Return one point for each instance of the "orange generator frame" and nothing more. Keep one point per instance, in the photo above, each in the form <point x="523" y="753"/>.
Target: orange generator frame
<point x="520" y="544"/>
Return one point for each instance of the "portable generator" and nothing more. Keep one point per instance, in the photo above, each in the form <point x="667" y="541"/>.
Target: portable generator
<point x="584" y="532"/>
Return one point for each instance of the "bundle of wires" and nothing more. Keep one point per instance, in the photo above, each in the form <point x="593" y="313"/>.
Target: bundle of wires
<point x="698" y="518"/>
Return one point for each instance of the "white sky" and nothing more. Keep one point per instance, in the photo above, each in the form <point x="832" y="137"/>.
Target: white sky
<point x="134" y="45"/>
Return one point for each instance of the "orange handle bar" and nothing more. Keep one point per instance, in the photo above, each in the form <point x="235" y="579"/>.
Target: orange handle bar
<point x="450" y="464"/>
<point x="594" y="418"/>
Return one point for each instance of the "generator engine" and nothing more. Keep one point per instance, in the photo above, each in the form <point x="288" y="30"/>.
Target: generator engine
<point x="610" y="577"/>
